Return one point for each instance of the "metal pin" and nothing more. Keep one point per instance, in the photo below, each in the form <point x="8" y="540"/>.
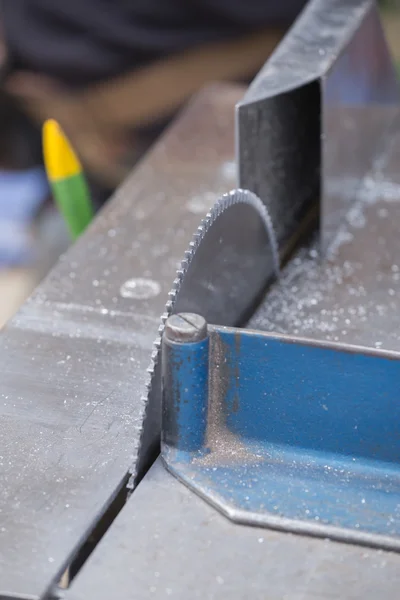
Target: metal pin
<point x="185" y="382"/>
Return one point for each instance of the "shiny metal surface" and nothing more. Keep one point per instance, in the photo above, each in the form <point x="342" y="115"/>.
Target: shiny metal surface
<point x="168" y="543"/>
<point x="300" y="123"/>
<point x="232" y="258"/>
<point x="185" y="328"/>
<point x="353" y="297"/>
<point x="74" y="358"/>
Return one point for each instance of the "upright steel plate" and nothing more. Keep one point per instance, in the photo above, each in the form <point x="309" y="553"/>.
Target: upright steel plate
<point x="300" y="125"/>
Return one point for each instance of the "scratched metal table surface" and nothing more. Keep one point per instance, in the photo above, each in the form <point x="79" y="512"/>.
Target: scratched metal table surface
<point x="74" y="358"/>
<point x="353" y="297"/>
<point x="168" y="543"/>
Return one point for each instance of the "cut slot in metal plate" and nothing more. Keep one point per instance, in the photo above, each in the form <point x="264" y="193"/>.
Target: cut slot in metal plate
<point x="169" y="543"/>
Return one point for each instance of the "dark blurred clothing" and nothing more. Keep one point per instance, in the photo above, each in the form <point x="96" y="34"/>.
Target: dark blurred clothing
<point x="64" y="59"/>
<point x="84" y="41"/>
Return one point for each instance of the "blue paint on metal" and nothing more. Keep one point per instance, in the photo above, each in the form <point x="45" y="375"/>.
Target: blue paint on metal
<point x="318" y="398"/>
<point x="186" y="400"/>
<point x="311" y="488"/>
<point x="313" y="437"/>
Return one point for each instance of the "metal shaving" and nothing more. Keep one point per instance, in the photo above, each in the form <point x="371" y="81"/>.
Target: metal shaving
<point x="351" y="297"/>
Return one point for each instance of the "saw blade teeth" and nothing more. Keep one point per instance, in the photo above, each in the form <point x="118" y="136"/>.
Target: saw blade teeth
<point x="204" y="222"/>
<point x="197" y="239"/>
<point x="224" y="202"/>
<point x="170" y="303"/>
<point x="173" y="291"/>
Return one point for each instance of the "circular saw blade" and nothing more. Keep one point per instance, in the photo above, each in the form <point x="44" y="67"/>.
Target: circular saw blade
<point x="230" y="261"/>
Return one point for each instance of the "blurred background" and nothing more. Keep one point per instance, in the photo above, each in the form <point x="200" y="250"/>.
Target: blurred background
<point x="98" y="67"/>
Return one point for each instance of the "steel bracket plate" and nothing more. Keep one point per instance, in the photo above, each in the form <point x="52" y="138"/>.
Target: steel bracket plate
<point x="301" y="124"/>
<point x="297" y="436"/>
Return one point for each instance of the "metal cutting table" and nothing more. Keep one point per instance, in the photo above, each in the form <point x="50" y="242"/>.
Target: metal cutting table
<point x="83" y="487"/>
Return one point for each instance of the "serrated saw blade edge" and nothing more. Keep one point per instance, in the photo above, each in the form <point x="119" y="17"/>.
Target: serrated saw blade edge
<point x="225" y="203"/>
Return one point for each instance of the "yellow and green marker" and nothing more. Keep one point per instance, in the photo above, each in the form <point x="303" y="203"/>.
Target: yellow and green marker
<point x="66" y="178"/>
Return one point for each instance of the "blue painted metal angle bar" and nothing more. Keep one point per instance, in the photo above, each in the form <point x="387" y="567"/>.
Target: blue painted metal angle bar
<point x="300" y="436"/>
<point x="320" y="398"/>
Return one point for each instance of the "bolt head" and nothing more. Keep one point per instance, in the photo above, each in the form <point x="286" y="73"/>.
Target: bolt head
<point x="185" y="328"/>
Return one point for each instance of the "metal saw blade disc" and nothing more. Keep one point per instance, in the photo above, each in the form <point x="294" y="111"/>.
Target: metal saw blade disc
<point x="231" y="259"/>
